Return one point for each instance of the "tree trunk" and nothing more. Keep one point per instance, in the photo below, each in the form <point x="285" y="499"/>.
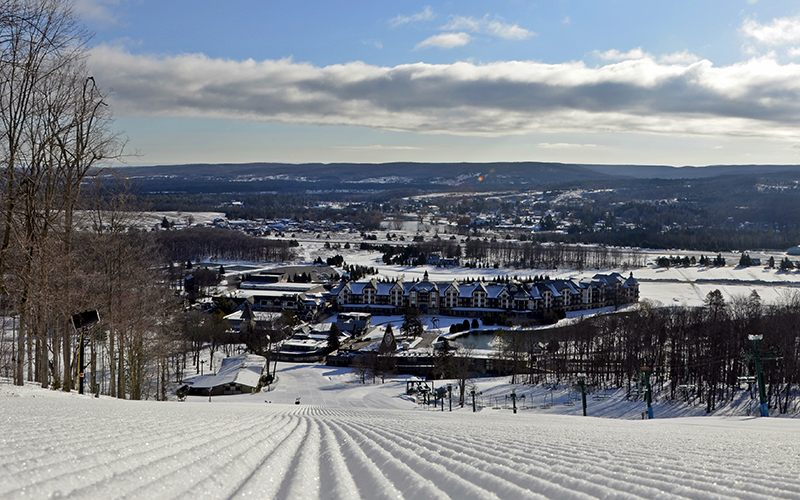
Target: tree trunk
<point x="66" y="349"/>
<point x="112" y="380"/>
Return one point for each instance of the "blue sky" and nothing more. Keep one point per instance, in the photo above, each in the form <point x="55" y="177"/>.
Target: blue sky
<point x="595" y="81"/>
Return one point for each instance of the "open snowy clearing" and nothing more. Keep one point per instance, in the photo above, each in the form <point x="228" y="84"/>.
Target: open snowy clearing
<point x="359" y="441"/>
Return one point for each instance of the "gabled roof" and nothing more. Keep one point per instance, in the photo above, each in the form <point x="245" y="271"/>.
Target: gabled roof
<point x="426" y="286"/>
<point x="454" y="285"/>
<point x="357" y="287"/>
<point x="493" y="291"/>
<point x="631" y="281"/>
<point x="337" y="289"/>
<point x="243" y="370"/>
<point x="384" y="288"/>
<point x="467" y="289"/>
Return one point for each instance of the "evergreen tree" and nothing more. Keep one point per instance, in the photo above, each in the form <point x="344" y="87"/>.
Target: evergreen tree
<point x="333" y="338"/>
<point x="412" y="323"/>
<point x="444" y="359"/>
<point x="745" y="260"/>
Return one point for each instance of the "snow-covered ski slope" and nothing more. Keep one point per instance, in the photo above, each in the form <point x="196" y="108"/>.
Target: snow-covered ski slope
<point x="68" y="446"/>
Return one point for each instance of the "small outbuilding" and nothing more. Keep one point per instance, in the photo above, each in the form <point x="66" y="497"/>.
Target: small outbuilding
<point x="237" y="375"/>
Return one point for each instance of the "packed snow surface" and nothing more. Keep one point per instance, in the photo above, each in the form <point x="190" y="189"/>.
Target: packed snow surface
<point x="358" y="441"/>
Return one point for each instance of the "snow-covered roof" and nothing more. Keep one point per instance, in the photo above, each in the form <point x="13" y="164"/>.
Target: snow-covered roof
<point x="493" y="291"/>
<point x="467" y="289"/>
<point x="357" y="288"/>
<point x="242" y="370"/>
<point x="282" y="287"/>
<point x="257" y="315"/>
<point x="384" y="288"/>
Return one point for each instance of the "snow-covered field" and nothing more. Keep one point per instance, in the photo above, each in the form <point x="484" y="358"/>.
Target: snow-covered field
<point x="348" y="440"/>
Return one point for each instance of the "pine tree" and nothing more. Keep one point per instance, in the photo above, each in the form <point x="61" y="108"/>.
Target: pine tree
<point x="412" y="323"/>
<point x="333" y="338"/>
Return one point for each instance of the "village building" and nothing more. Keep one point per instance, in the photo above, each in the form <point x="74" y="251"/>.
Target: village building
<point x="477" y="298"/>
<point x="306" y="300"/>
<point x="237" y="375"/>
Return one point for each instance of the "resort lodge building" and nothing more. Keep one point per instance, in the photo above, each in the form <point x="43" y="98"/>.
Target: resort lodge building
<point x="464" y="298"/>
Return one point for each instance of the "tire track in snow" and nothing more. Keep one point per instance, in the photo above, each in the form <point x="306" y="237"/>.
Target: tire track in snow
<point x="238" y="468"/>
<point x="335" y="478"/>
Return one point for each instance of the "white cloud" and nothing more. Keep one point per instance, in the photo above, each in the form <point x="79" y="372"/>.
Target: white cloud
<point x="566" y="20"/>
<point x="754" y="98"/>
<point x="684" y="57"/>
<point x="445" y="41"/>
<point x="780" y="31"/>
<point x="615" y="55"/>
<point x="793" y="52"/>
<point x="426" y="15"/>
<point x="100" y="12"/>
<point x="486" y="26"/>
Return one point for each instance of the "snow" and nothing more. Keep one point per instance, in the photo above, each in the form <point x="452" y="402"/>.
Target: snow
<point x="348" y="440"/>
<point x="242" y="370"/>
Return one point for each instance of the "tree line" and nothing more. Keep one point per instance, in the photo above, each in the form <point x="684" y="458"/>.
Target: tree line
<point x="196" y="243"/>
<point x="700" y="355"/>
<point x="533" y="255"/>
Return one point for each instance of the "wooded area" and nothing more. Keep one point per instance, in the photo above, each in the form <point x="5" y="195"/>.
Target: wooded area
<point x="697" y="355"/>
<point x="69" y="239"/>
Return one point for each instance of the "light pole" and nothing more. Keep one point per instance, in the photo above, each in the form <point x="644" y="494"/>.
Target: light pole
<point x="202" y="362"/>
<point x="474" y="407"/>
<point x="81" y="322"/>
<point x="450" y="395"/>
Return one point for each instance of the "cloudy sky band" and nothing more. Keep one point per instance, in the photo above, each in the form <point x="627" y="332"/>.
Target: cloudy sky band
<point x="356" y="93"/>
<point x="702" y="83"/>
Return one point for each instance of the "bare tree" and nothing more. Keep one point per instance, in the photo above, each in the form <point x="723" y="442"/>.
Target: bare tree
<point x="463" y="368"/>
<point x="53" y="130"/>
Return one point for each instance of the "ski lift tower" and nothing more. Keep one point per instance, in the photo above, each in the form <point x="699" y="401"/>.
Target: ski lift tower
<point x="762" y="393"/>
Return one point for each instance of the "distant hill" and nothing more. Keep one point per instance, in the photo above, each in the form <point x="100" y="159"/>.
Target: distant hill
<point x="425" y="177"/>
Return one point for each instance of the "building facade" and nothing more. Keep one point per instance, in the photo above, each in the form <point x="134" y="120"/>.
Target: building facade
<point x="476" y="298"/>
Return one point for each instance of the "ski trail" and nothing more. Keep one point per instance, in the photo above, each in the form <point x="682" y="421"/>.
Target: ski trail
<point x="303" y="480"/>
<point x="369" y="480"/>
<point x="266" y="478"/>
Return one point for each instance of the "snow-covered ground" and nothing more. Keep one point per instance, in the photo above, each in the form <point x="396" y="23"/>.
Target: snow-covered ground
<point x="347" y="440"/>
<point x="350" y="440"/>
